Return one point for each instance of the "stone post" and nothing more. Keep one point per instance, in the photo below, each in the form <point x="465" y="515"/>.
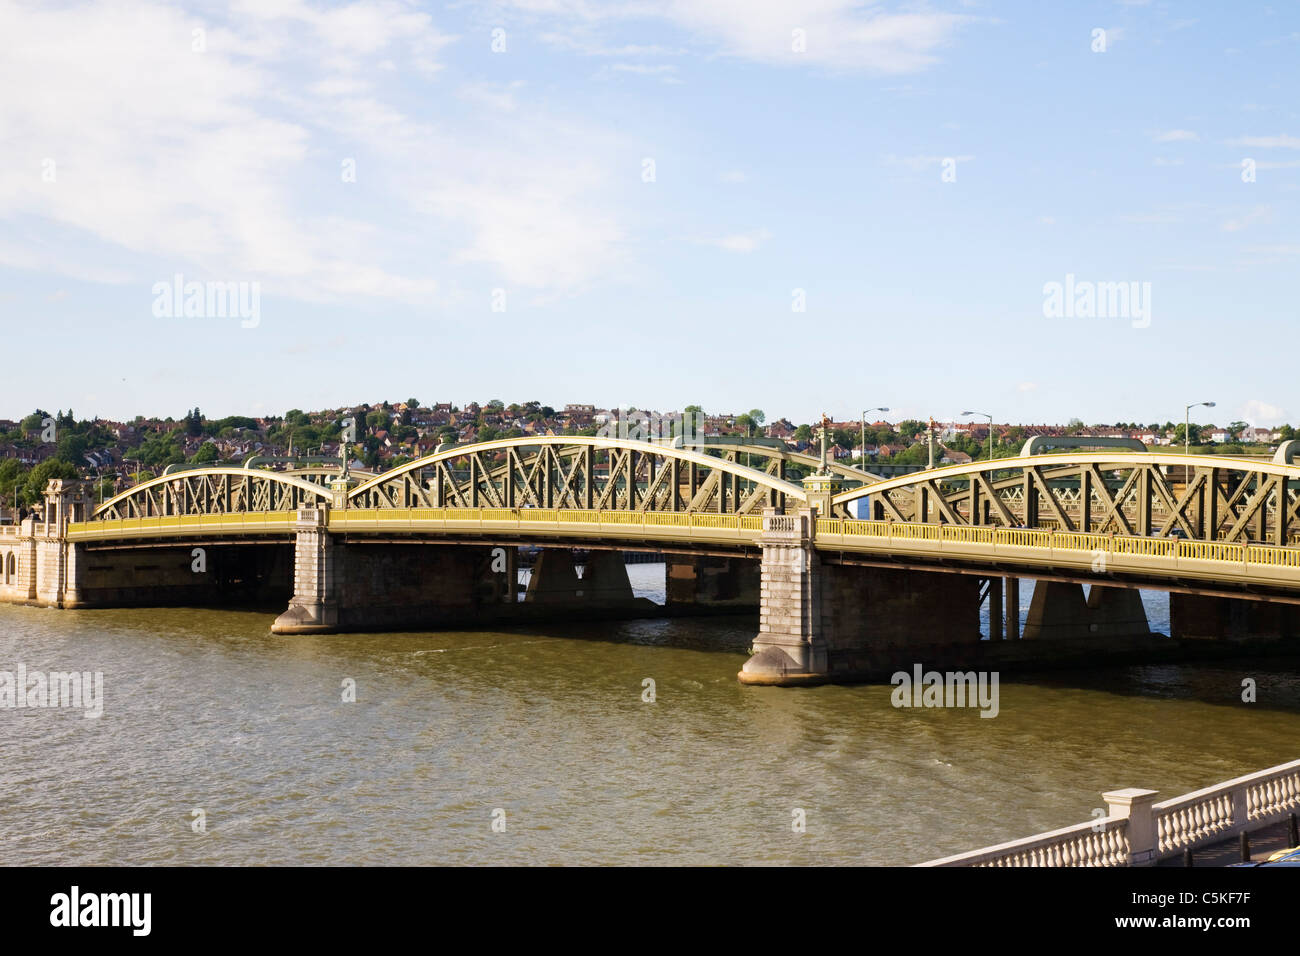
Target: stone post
<point x="1135" y="805"/>
<point x="57" y="563"/>
<point x="314" y="606"/>
<point x="789" y="648"/>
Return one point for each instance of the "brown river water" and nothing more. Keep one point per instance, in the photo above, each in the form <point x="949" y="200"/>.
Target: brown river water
<point x="546" y="732"/>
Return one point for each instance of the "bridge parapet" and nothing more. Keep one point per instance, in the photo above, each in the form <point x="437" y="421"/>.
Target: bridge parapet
<point x="1140" y="832"/>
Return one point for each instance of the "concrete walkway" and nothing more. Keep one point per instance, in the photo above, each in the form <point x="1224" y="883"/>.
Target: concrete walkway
<point x="1263" y="842"/>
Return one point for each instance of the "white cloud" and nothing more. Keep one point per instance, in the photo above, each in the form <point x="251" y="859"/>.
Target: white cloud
<point x="843" y="34"/>
<point x="921" y="162"/>
<point x="1252" y="217"/>
<point x="1258" y="412"/>
<point x="226" y="163"/>
<point x="1150" y="218"/>
<point x="1280" y="141"/>
<point x="744" y="242"/>
<point x="1175" y="136"/>
<point x="1161" y="161"/>
<point x="732" y="176"/>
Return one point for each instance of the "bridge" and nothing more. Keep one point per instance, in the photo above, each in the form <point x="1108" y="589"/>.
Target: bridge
<point x="850" y="573"/>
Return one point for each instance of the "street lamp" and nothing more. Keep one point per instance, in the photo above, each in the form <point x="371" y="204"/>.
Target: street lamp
<point x="990" y="418"/>
<point x="1187" y="425"/>
<point x="863" y="462"/>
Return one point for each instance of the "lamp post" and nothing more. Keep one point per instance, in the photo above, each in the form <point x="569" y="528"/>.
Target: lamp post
<point x="990" y="418"/>
<point x="863" y="462"/>
<point x="1187" y="425"/>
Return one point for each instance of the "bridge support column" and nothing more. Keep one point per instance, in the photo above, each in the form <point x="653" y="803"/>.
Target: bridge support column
<point x="995" y="608"/>
<point x="1228" y="619"/>
<point x="1058" y="610"/>
<point x="710" y="581"/>
<point x="313" y="609"/>
<point x="605" y="580"/>
<point x="1117" y="612"/>
<point x="554" y="579"/>
<point x="1012" y="632"/>
<point x="789" y="648"/>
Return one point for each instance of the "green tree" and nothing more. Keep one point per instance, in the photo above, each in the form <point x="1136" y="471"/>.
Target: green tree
<point x="33" y="489"/>
<point x="72" y="448"/>
<point x="207" y="452"/>
<point x="909" y="428"/>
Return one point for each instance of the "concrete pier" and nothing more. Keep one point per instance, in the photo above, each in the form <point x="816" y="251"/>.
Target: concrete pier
<point x="823" y="622"/>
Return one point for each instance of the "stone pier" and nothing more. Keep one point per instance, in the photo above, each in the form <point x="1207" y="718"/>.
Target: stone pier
<point x="314" y="605"/>
<point x="822" y="622"/>
<point x="711" y="583"/>
<point x="38" y="566"/>
<point x="1197" y="616"/>
<point x="1059" y="611"/>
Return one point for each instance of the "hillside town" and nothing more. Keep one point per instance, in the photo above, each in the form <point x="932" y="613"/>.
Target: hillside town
<point x="383" y="435"/>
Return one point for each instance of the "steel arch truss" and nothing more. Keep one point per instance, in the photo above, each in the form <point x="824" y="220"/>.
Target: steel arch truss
<point x="580" y="473"/>
<point x="1201" y="497"/>
<point x="213" y="491"/>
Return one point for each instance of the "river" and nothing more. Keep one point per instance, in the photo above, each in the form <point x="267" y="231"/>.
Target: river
<point x="545" y="732"/>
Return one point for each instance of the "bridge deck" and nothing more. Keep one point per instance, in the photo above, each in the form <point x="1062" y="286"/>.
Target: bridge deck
<point x="1238" y="565"/>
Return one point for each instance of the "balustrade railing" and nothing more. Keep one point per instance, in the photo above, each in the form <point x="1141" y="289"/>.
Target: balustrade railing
<point x="1140" y="831"/>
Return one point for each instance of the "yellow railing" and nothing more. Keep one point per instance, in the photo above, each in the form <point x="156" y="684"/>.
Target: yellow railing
<point x="161" y="525"/>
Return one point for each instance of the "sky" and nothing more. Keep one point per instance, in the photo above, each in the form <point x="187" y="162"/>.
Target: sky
<point x="802" y="206"/>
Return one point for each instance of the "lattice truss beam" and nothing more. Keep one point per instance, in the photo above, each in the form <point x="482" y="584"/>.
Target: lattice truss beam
<point x="213" y="492"/>
<point x="1210" y="502"/>
<point x="588" y="475"/>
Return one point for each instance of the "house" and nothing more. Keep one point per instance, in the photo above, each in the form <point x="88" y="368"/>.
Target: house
<point x="781" y="429"/>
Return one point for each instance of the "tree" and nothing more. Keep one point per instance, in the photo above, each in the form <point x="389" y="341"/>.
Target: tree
<point x="33" y="489"/>
<point x="1286" y="433"/>
<point x="1194" y="431"/>
<point x="71" y="448"/>
<point x="207" y="452"/>
<point x="910" y="428"/>
<point x="1235" y="429"/>
<point x="803" y="433"/>
<point x="413" y="403"/>
<point x="1076" y="424"/>
<point x="376" y="420"/>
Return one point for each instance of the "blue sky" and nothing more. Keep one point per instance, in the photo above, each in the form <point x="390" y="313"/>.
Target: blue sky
<point x="135" y="149"/>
